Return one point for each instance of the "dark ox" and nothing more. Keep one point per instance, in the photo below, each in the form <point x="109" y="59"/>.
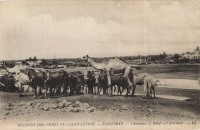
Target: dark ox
<point x="9" y="83"/>
<point x="102" y="82"/>
<point x="38" y="79"/>
<point x="91" y="82"/>
<point x="56" y="80"/>
<point x="76" y="82"/>
<point x="119" y="81"/>
<point x="116" y="80"/>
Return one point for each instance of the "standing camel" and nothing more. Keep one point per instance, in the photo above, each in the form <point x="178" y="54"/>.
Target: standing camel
<point x="114" y="66"/>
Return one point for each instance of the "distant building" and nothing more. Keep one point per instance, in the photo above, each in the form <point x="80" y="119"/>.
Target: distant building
<point x="192" y="55"/>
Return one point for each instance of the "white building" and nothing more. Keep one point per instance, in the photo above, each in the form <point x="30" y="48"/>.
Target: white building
<point x="192" y="55"/>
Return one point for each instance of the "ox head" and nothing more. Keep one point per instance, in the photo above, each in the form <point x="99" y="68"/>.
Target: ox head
<point x="156" y="81"/>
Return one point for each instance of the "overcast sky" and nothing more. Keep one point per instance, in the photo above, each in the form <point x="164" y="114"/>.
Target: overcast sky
<point x="98" y="28"/>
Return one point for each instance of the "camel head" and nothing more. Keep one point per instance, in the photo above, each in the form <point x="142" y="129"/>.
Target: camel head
<point x="85" y="58"/>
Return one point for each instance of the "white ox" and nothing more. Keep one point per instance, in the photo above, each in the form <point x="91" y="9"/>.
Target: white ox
<point x="21" y="79"/>
<point x="149" y="86"/>
<point x="149" y="83"/>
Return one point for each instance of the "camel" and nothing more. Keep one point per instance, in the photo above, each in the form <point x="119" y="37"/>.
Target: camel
<point x="114" y="66"/>
<point x="17" y="68"/>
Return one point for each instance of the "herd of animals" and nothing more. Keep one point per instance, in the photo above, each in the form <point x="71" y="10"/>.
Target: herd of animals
<point x="115" y="74"/>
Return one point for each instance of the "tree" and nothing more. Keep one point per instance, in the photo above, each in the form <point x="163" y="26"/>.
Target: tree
<point x="44" y="62"/>
<point x="30" y="59"/>
<point x="176" y="56"/>
<point x="34" y="58"/>
<point x="54" y="62"/>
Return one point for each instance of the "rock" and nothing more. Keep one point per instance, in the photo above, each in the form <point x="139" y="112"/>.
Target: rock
<point x="62" y="110"/>
<point x="84" y="105"/>
<point x="54" y="106"/>
<point x="41" y="108"/>
<point x="114" y="108"/>
<point x="29" y="103"/>
<point x="21" y="104"/>
<point x="75" y="105"/>
<point x="142" y="109"/>
<point x="70" y="106"/>
<point x="6" y="113"/>
<point x="124" y="107"/>
<point x="91" y="109"/>
<point x="150" y="110"/>
<point x="45" y="108"/>
<point x="77" y="102"/>
<point x="67" y="104"/>
<point x="139" y="106"/>
<point x="99" y="107"/>
<point x="38" y="104"/>
<point x="64" y="101"/>
<point x="10" y="104"/>
<point x="7" y="108"/>
<point x="67" y="110"/>
<point x="61" y="104"/>
<point x="75" y="110"/>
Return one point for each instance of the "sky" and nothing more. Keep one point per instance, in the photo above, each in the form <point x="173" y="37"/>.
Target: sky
<point x="72" y="29"/>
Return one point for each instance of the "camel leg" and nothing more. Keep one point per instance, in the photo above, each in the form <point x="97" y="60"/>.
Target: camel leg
<point x="99" y="89"/>
<point x="109" y="82"/>
<point x="40" y="90"/>
<point x="28" y="88"/>
<point x="149" y="89"/>
<point x="35" y="91"/>
<point x="133" y="91"/>
<point x="51" y="93"/>
<point x="145" y="89"/>
<point x="154" y="93"/>
<point x="127" y="77"/>
<point x="119" y="90"/>
<point x="46" y="90"/>
<point x="21" y="87"/>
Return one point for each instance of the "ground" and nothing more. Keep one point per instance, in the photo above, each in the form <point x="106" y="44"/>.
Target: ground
<point x="177" y="101"/>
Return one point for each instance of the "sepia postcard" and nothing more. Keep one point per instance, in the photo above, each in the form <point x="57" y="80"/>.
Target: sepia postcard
<point x="99" y="64"/>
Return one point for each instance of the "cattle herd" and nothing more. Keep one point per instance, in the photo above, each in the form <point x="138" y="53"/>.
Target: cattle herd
<point x="66" y="83"/>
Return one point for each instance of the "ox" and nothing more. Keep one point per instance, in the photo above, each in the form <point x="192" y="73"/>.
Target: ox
<point x="138" y="80"/>
<point x="21" y="79"/>
<point x="37" y="79"/>
<point x="91" y="82"/>
<point x="57" y="80"/>
<point x="116" y="80"/>
<point x="8" y="82"/>
<point x="102" y="82"/>
<point x="76" y="82"/>
<point x="149" y="86"/>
